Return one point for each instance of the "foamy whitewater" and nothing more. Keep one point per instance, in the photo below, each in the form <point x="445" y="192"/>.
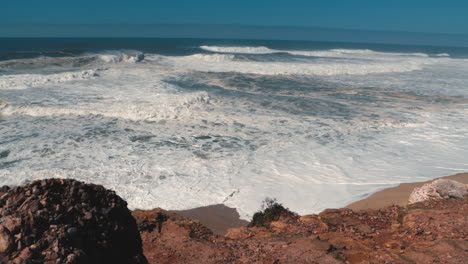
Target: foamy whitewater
<point x="209" y="123"/>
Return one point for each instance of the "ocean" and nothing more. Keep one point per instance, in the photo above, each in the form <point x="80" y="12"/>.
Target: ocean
<point x="182" y="123"/>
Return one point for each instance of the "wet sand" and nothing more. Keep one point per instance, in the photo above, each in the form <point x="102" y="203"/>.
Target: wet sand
<point x="218" y="218"/>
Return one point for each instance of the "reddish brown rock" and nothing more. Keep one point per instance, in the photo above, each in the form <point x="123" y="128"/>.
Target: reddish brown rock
<point x="429" y="232"/>
<point x="6" y="241"/>
<point x="66" y="221"/>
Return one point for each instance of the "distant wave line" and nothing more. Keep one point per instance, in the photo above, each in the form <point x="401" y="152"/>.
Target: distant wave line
<point x="316" y="53"/>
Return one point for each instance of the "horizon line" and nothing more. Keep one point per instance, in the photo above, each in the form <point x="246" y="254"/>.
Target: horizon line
<point x="231" y="31"/>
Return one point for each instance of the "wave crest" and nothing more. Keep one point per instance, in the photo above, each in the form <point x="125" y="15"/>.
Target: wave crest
<point x="89" y="59"/>
<point x="244" y="50"/>
<point x="230" y="63"/>
<point x="347" y="53"/>
<point x="169" y="107"/>
<point x="24" y="81"/>
<point x="129" y="56"/>
<point x="212" y="57"/>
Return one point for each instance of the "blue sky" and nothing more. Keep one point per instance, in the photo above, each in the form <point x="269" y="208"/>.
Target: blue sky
<point x="436" y="16"/>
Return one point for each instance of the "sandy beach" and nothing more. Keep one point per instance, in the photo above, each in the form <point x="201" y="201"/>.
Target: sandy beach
<point x="219" y="218"/>
<point x="398" y="195"/>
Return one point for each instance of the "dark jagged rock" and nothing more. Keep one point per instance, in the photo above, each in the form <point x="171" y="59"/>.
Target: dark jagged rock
<point x="66" y="221"/>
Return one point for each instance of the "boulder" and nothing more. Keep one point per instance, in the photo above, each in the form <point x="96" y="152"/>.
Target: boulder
<point x="67" y="221"/>
<point x="441" y="189"/>
<point x="6" y="240"/>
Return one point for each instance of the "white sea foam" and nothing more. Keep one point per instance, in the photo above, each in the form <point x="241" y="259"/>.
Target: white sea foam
<point x="174" y="133"/>
<point x="122" y="56"/>
<point x="335" y="53"/>
<point x="167" y="107"/>
<point x="161" y="167"/>
<point x="228" y="63"/>
<point x="245" y="50"/>
<point x="23" y="81"/>
<point x="212" y="57"/>
<point x="319" y="62"/>
<point x="65" y="63"/>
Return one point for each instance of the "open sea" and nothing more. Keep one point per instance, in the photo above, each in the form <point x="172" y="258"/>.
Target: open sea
<point x="182" y="123"/>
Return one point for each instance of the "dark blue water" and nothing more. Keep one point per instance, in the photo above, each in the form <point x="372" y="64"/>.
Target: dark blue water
<point x="22" y="48"/>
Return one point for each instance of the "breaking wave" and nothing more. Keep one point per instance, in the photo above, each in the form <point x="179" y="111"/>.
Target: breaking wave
<point x="67" y="62"/>
<point x="23" y="81"/>
<point x="230" y="63"/>
<point x="122" y="56"/>
<point x="335" y="53"/>
<point x="182" y="130"/>
<point x="169" y="107"/>
<point x="245" y="50"/>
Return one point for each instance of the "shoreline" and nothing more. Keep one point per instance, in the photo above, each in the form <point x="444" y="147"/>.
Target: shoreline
<point x="398" y="195"/>
<point x="219" y="217"/>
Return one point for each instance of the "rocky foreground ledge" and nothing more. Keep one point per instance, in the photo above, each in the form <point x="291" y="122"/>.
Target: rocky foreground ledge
<point x="66" y="221"/>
